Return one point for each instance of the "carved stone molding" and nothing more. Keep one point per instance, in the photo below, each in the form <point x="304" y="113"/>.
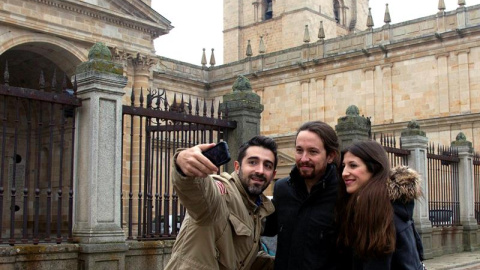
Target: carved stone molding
<point x="139" y="61"/>
<point x="390" y="65"/>
<point x="103" y="15"/>
<point x="365" y="70"/>
<point x="442" y="55"/>
<point x="467" y="51"/>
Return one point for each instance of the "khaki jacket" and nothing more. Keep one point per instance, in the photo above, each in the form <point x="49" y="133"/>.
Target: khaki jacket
<point x="222" y="226"/>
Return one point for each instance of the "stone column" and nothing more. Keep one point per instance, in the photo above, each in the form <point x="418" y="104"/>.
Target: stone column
<point x="305" y="110"/>
<point x="352" y="127"/>
<point x="414" y="139"/>
<point x="243" y="106"/>
<point x="465" y="96"/>
<point x="461" y="16"/>
<point x="97" y="225"/>
<point x="142" y="78"/>
<point x="387" y="93"/>
<point x="467" y="208"/>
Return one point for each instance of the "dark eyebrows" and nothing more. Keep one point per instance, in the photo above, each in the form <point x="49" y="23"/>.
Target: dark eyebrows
<point x="269" y="162"/>
<point x="258" y="158"/>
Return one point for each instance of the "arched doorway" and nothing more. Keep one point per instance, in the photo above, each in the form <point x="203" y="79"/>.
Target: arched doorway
<point x="26" y="61"/>
<point x="36" y="142"/>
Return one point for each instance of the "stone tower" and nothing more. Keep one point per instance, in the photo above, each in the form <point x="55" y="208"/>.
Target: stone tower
<point x="282" y="23"/>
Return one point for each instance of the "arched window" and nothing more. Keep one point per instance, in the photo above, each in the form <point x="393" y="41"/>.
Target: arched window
<point x="268" y="10"/>
<point x="336" y="10"/>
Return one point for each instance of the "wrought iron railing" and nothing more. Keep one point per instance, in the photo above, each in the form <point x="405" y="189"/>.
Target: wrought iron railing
<point x="443" y="184"/>
<point x="396" y="155"/>
<point x="153" y="131"/>
<point x="36" y="168"/>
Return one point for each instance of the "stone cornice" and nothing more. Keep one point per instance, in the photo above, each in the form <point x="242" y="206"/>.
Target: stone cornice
<point x="425" y="124"/>
<point x="99" y="13"/>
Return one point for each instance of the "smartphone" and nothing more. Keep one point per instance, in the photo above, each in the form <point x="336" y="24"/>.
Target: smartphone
<point x="218" y="154"/>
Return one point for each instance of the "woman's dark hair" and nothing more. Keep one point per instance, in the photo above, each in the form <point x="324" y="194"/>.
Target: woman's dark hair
<point x="262" y="141"/>
<point x="326" y="134"/>
<point x="365" y="217"/>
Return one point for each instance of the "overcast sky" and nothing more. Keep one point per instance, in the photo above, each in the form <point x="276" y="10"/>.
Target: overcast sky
<point x="198" y="24"/>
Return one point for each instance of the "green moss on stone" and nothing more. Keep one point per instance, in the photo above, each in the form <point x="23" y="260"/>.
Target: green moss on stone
<point x="100" y="59"/>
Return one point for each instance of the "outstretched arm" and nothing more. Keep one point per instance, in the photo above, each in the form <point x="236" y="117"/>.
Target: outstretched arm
<point x="195" y="188"/>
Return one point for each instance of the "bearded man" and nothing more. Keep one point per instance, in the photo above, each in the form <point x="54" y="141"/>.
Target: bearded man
<point x="305" y="202"/>
<point x="225" y="212"/>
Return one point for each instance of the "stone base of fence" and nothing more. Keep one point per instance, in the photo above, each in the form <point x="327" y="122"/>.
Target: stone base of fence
<point x="130" y="255"/>
<point x="447" y="240"/>
<point x="45" y="256"/>
<point x="148" y="254"/>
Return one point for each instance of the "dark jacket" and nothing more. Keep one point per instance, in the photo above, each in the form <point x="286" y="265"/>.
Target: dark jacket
<point x="403" y="188"/>
<point x="304" y="222"/>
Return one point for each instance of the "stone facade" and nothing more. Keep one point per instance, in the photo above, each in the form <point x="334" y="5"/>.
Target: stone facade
<point x="245" y="20"/>
<point x="425" y="70"/>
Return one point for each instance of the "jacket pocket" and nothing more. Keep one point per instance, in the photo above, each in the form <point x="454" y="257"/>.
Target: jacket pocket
<point x="234" y="245"/>
<point x="240" y="228"/>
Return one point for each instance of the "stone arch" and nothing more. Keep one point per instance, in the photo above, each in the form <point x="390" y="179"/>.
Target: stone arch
<point x="339" y="11"/>
<point x="336" y="10"/>
<point x="81" y="55"/>
<point x="35" y="52"/>
<point x="267" y="8"/>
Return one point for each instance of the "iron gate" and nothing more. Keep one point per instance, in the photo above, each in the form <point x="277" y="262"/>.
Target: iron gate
<point x="443" y="186"/>
<point x="153" y="131"/>
<point x="36" y="166"/>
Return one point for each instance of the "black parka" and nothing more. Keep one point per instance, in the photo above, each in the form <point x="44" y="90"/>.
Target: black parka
<point x="304" y="222"/>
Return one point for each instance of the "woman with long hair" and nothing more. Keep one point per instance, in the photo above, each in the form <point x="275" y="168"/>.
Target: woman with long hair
<point x="375" y="210"/>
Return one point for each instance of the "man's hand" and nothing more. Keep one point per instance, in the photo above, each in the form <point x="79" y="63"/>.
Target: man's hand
<point x="193" y="163"/>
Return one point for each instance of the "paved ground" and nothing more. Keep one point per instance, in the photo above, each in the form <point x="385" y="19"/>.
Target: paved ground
<point x="458" y="261"/>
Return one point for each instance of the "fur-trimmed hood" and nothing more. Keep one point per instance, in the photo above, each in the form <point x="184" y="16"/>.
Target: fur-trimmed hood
<point x="404" y="184"/>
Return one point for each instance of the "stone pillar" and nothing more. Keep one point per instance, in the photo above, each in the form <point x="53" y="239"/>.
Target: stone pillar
<point x="467" y="208"/>
<point x="461" y="16"/>
<point x="243" y="106"/>
<point x="352" y="127"/>
<point x="414" y="139"/>
<point x="142" y="78"/>
<point x="306" y="100"/>
<point x="97" y="224"/>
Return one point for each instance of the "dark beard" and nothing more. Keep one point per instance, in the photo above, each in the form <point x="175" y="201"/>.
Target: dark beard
<point x="251" y="190"/>
<point x="254" y="190"/>
<point x="310" y="175"/>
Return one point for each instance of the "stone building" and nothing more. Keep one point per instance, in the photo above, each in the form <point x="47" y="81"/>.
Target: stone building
<point x="307" y="60"/>
<point x="281" y="23"/>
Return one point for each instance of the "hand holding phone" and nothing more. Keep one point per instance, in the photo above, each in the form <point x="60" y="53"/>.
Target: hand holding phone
<point x="218" y="154"/>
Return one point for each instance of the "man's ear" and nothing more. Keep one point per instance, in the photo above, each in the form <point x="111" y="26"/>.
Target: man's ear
<point x="331" y="157"/>
<point x="236" y="165"/>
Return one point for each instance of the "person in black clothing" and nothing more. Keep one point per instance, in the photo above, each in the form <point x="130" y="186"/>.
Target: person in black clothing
<point x="375" y="210"/>
<point x="304" y="203"/>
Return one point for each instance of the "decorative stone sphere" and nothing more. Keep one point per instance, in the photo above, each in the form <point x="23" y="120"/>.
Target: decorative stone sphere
<point x="100" y="51"/>
<point x="353" y="110"/>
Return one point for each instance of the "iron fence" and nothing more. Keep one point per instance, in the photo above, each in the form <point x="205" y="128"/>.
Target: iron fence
<point x="476" y="182"/>
<point x="396" y="155"/>
<point x="36" y="175"/>
<point x="153" y="131"/>
<point x="443" y="183"/>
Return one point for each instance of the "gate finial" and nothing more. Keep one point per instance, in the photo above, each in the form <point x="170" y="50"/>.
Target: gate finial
<point x="242" y="84"/>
